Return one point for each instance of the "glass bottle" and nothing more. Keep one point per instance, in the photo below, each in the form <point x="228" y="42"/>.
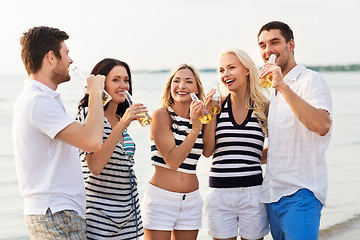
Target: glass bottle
<point x="205" y="116"/>
<point x="105" y="96"/>
<point x="144" y="121"/>
<point x="215" y="105"/>
<point x="266" y="81"/>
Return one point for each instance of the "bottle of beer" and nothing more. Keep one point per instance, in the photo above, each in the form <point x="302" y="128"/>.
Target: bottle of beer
<point x="266" y="81"/>
<point x="105" y="96"/>
<point x="205" y="116"/>
<point x="146" y="119"/>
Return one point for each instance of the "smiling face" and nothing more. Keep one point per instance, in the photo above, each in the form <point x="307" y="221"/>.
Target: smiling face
<point x="182" y="84"/>
<point x="232" y="72"/>
<point x="116" y="82"/>
<point x="60" y="73"/>
<point x="272" y="42"/>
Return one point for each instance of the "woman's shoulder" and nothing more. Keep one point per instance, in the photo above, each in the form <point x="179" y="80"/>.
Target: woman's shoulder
<point x="161" y="114"/>
<point x="161" y="121"/>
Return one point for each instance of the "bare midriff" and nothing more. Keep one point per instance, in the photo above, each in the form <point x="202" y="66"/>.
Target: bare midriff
<point x="174" y="181"/>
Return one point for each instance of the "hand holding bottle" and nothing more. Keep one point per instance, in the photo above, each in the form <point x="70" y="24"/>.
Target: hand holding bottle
<point x="95" y="84"/>
<point x="195" y="113"/>
<point x="205" y="116"/>
<point x="270" y="68"/>
<point x="215" y="102"/>
<point x="143" y="117"/>
<point x="132" y="113"/>
<point x="266" y="79"/>
<point x="86" y="78"/>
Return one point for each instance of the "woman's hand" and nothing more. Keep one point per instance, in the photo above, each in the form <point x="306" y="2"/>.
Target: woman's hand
<point x="208" y="100"/>
<point x="132" y="113"/>
<point x="195" y="111"/>
<point x="208" y="96"/>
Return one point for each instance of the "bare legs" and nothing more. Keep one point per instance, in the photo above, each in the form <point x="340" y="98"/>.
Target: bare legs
<point x="170" y="235"/>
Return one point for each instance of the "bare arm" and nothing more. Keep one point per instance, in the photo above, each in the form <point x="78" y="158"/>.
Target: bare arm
<point x="97" y="160"/>
<point x="88" y="136"/>
<point x="263" y="159"/>
<point x="316" y="120"/>
<point x="164" y="140"/>
<point x="209" y="138"/>
<point x="209" y="131"/>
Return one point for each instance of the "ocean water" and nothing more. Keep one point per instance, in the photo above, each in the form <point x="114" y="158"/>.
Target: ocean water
<point x="340" y="216"/>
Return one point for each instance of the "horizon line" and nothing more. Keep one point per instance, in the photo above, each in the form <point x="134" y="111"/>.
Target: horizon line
<point x="338" y="67"/>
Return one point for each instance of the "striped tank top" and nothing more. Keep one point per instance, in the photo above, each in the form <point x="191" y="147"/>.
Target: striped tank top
<point x="112" y="198"/>
<point x="236" y="159"/>
<point x="180" y="128"/>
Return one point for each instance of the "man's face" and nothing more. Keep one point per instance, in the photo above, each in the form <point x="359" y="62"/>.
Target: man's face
<point x="272" y="42"/>
<point x="61" y="72"/>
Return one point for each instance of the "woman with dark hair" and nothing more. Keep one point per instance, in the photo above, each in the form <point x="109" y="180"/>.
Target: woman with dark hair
<point x="112" y="208"/>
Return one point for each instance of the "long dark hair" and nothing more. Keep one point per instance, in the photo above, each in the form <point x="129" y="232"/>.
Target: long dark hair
<point x="103" y="68"/>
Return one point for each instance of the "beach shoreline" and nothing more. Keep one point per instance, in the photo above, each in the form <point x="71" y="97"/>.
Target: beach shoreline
<point x="349" y="229"/>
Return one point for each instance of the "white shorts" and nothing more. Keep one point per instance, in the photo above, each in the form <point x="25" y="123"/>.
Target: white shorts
<point x="165" y="210"/>
<point x="236" y="211"/>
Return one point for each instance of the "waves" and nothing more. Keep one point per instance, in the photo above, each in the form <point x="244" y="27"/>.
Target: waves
<point x="345" y="230"/>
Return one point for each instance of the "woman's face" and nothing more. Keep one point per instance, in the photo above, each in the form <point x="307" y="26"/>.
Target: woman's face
<point x="232" y="72"/>
<point x="116" y="82"/>
<point x="182" y="84"/>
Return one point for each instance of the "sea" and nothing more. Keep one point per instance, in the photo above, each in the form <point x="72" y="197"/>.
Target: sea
<point x="340" y="216"/>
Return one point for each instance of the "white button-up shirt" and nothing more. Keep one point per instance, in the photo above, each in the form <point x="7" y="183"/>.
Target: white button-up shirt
<point x="296" y="155"/>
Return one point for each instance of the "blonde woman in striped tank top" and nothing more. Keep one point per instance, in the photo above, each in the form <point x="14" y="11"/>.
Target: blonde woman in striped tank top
<point x="232" y="204"/>
<point x="172" y="205"/>
<point x="112" y="208"/>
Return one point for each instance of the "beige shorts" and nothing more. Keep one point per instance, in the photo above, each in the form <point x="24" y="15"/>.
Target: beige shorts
<point x="165" y="210"/>
<point x="236" y="211"/>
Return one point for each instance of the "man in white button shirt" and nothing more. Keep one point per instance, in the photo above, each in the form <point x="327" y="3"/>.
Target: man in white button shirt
<point x="299" y="125"/>
<point x="46" y="139"/>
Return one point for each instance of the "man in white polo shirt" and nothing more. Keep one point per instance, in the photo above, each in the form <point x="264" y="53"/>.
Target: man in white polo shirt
<point x="46" y="139"/>
<point x="299" y="125"/>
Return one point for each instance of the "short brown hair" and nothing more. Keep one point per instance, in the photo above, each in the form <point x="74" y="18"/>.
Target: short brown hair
<point x="37" y="42"/>
<point x="285" y="30"/>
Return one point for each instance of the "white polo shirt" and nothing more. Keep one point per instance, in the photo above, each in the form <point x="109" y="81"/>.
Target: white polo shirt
<point x="49" y="170"/>
<point x="296" y="155"/>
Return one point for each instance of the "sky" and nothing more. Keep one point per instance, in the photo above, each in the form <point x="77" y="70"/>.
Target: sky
<point x="161" y="34"/>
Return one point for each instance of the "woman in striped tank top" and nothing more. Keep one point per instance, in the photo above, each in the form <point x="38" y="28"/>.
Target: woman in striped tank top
<point x="172" y="205"/>
<point x="232" y="203"/>
<point x="112" y="199"/>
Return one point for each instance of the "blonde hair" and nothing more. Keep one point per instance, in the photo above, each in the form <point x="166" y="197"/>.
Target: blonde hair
<point x="166" y="98"/>
<point x="255" y="98"/>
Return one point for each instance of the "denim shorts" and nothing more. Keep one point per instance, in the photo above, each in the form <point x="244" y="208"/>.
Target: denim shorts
<point x="66" y="224"/>
<point x="295" y="217"/>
